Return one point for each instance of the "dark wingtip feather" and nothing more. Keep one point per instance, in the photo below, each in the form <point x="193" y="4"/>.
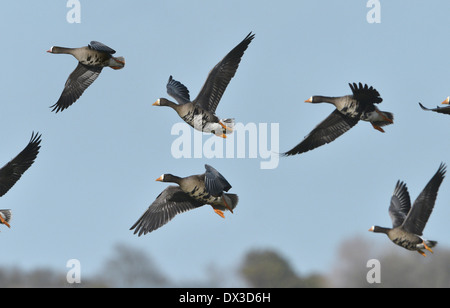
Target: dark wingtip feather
<point x="365" y="92"/>
<point x="442" y="170"/>
<point x="56" y="108"/>
<point x="250" y="36"/>
<point x="423" y="107"/>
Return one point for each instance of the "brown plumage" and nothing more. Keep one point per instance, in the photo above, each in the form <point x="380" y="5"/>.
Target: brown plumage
<point x="350" y="109"/>
<point x="192" y="192"/>
<point x="409" y="222"/>
<point x="200" y="113"/>
<point x="91" y="61"/>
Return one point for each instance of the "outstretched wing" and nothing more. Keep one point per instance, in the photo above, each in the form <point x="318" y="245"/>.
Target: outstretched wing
<point x="80" y="79"/>
<point x="168" y="204"/>
<point x="13" y="171"/>
<point x="400" y="204"/>
<point x="178" y="91"/>
<point x="364" y="94"/>
<point x="327" y="131"/>
<point x="215" y="183"/>
<point x="444" y="110"/>
<point x="101" y="47"/>
<point x="220" y="76"/>
<point x="423" y="206"/>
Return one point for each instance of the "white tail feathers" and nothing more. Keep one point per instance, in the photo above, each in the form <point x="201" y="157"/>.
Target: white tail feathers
<point x="229" y="123"/>
<point x="6" y="215"/>
<point x="231" y="199"/>
<point x="117" y="63"/>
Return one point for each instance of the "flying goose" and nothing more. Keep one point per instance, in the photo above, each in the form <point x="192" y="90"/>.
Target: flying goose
<point x="200" y="113"/>
<point x="409" y="222"/>
<point x="192" y="192"/>
<point x="91" y="61"/>
<point x="349" y="110"/>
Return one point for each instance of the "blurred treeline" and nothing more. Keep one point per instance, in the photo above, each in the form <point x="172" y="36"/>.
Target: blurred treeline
<point x="259" y="268"/>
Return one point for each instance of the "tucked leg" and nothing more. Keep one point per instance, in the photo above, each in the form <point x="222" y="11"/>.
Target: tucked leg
<point x="422" y="253"/>
<point x="377" y="127"/>
<point x="427" y="248"/>
<point x="4" y="222"/>
<point x="219" y="212"/>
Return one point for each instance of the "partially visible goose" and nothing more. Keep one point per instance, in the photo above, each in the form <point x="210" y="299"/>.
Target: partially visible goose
<point x="200" y="113"/>
<point x="409" y="223"/>
<point x="192" y="192"/>
<point x="12" y="171"/>
<point x="91" y="61"/>
<point x="349" y="110"/>
<point x="443" y="110"/>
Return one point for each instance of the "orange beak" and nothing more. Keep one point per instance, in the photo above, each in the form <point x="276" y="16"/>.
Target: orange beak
<point x="446" y="102"/>
<point x="160" y="179"/>
<point x="156" y="103"/>
<point x="309" y="100"/>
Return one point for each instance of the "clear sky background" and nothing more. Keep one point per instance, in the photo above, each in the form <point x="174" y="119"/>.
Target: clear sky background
<point x="95" y="174"/>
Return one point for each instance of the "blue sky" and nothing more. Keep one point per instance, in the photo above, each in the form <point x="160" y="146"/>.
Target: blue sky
<point x="99" y="160"/>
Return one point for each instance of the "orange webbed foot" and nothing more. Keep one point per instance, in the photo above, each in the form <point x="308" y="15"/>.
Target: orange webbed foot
<point x="427" y="248"/>
<point x="4" y="222"/>
<point x="422" y="253"/>
<point x="378" y="128"/>
<point x="220" y="213"/>
<point x="226" y="128"/>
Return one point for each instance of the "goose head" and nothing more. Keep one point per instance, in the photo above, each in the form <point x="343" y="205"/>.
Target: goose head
<point x="377" y="229"/>
<point x="164" y="102"/>
<point x="168" y="178"/>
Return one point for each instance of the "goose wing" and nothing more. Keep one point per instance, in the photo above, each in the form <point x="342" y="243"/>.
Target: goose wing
<point x="13" y="171"/>
<point x="365" y="94"/>
<point x="423" y="206"/>
<point x="168" y="204"/>
<point x="335" y="125"/>
<point x="80" y="79"/>
<point x="400" y="204"/>
<point x="444" y="110"/>
<point x="101" y="47"/>
<point x="178" y="91"/>
<point x="215" y="183"/>
<point x="220" y="76"/>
